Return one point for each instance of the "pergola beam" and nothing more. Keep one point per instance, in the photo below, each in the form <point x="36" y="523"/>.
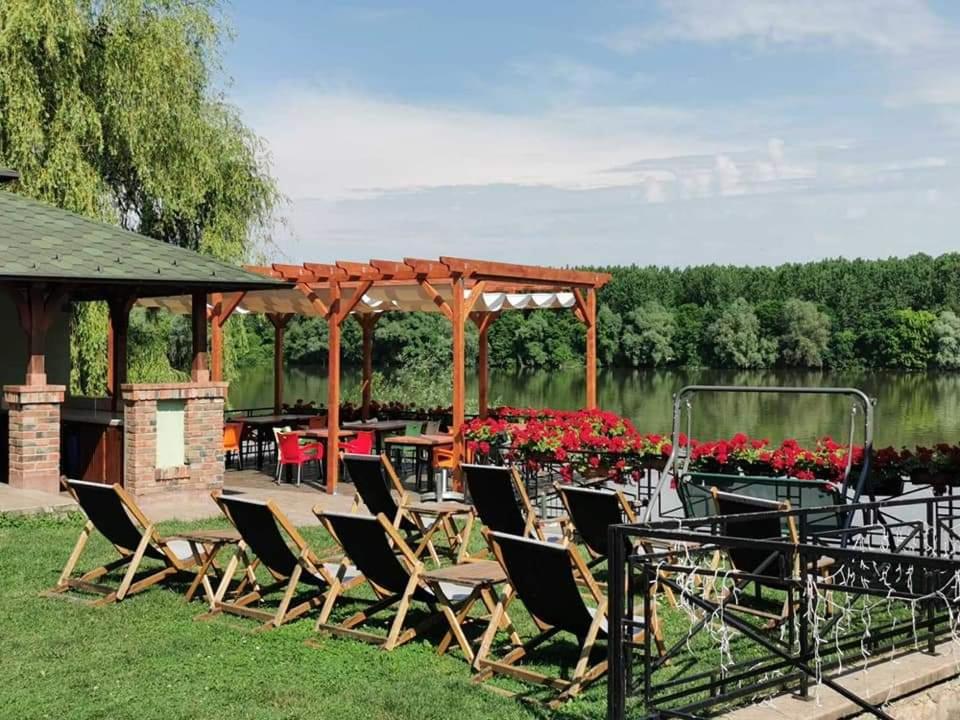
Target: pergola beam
<point x="355" y="298"/>
<point x="512" y="272"/>
<point x="431" y="292"/>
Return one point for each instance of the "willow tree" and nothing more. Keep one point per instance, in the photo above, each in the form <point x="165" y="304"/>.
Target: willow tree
<point x="109" y="108"/>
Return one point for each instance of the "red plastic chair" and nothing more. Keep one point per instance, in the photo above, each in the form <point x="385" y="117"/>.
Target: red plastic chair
<point x="293" y="453"/>
<point x="362" y="444"/>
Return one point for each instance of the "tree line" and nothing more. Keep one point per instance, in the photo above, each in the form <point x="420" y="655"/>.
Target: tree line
<point x="899" y="313"/>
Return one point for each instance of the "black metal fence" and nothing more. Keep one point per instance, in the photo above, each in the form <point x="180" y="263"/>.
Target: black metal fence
<point x="804" y="604"/>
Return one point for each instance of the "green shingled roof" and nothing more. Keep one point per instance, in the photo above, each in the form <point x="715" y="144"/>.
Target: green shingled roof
<point x="42" y="242"/>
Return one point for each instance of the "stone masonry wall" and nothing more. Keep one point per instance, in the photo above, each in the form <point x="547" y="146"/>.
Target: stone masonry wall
<point x="203" y="438"/>
<point x="34" y="443"/>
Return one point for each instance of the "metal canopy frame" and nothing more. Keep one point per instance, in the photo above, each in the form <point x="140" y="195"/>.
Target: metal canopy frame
<point x="681" y="403"/>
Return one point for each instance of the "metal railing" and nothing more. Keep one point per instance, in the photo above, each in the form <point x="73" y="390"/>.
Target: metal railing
<point x="902" y="576"/>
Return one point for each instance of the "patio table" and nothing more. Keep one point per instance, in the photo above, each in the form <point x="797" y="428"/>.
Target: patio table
<point x="430" y="442"/>
<point x="445" y="515"/>
<point x="324" y="433"/>
<point x="205" y="546"/>
<point x="482" y="576"/>
<point x="381" y="429"/>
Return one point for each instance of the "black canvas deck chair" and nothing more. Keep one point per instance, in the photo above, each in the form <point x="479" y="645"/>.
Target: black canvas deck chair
<point x="277" y="546"/>
<point x="759" y="561"/>
<point x="375" y="482"/>
<point x="113" y="513"/>
<point x="590" y="512"/>
<point x="502" y="504"/>
<point x="544" y="576"/>
<point x="395" y="575"/>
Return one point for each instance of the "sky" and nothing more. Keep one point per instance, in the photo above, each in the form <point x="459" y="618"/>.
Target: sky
<point x="568" y="132"/>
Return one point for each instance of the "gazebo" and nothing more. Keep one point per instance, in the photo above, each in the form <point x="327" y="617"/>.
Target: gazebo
<point x="154" y="438"/>
<point x="463" y="290"/>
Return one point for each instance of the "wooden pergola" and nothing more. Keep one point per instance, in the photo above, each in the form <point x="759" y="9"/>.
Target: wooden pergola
<point x="463" y="290"/>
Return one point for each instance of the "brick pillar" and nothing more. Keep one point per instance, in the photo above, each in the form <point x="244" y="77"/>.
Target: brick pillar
<point x="202" y="469"/>
<point x="34" y="444"/>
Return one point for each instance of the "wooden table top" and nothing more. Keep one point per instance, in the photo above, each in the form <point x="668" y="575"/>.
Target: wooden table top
<point x="482" y="572"/>
<point x="420" y="440"/>
<point x="447" y="507"/>
<point x="205" y="536"/>
<point x="379" y="425"/>
<point x="324" y="433"/>
<point x="272" y="419"/>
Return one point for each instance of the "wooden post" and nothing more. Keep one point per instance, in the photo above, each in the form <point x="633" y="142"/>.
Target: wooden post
<point x="216" y="338"/>
<point x="110" y="357"/>
<point x="37" y="338"/>
<point x="279" y="323"/>
<point x="591" y="363"/>
<point x="117" y="346"/>
<point x="199" y="371"/>
<point x="36" y="309"/>
<point x="367" y="323"/>
<point x="458" y="318"/>
<point x="333" y="388"/>
<point x="483" y="321"/>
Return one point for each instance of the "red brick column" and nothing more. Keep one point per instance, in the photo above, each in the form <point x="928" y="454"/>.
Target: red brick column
<point x="34" y="444"/>
<point x="202" y="470"/>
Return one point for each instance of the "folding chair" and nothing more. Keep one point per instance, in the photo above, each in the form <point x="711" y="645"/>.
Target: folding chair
<point x="544" y="576"/>
<point x="375" y="483"/>
<point x="396" y="577"/>
<point x="112" y="512"/>
<point x="757" y="561"/>
<point x="278" y="546"/>
<point x="502" y="504"/>
<point x="591" y="512"/>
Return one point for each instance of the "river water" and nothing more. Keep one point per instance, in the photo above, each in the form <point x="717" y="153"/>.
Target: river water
<point x="912" y="408"/>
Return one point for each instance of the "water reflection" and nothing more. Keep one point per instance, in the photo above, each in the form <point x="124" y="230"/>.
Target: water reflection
<point x="912" y="408"/>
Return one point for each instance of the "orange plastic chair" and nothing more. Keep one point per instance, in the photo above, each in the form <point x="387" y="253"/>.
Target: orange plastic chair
<point x="232" y="434"/>
<point x="318" y="422"/>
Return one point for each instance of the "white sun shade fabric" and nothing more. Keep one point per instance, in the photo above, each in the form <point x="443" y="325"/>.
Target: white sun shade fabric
<point x="388" y="298"/>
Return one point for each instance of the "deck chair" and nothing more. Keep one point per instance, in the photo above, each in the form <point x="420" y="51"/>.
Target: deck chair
<point x="545" y="577"/>
<point x="276" y="545"/>
<point x="591" y="512"/>
<point x="758" y="561"/>
<point x="376" y="481"/>
<point x="502" y="504"/>
<point x="112" y="512"/>
<point x="395" y="575"/>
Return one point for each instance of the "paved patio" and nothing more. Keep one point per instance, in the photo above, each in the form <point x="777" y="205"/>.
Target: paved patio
<point x="296" y="502"/>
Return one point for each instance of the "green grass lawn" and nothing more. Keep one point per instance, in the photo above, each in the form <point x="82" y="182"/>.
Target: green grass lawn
<point x="147" y="657"/>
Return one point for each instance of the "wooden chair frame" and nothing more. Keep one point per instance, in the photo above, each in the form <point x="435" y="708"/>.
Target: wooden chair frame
<point x="131" y="559"/>
<point x="399" y="633"/>
<point x="584" y="672"/>
<point x="630" y="516"/>
<point x="794" y="537"/>
<point x="456" y="539"/>
<point x="306" y="561"/>
<point x="534" y="524"/>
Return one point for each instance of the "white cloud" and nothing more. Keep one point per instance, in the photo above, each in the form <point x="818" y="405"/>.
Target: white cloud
<point x="897" y="26"/>
<point x="336" y="145"/>
<point x="654" y="190"/>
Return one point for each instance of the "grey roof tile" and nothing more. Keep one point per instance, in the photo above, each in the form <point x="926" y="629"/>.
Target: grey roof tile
<point x="38" y="240"/>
